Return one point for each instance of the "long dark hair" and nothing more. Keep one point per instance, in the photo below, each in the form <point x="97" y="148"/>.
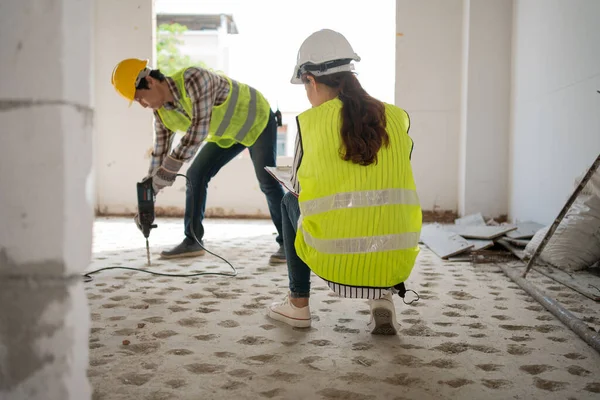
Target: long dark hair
<point x="363" y="119"/>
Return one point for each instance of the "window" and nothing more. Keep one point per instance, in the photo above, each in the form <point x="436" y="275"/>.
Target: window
<point x="282" y="140"/>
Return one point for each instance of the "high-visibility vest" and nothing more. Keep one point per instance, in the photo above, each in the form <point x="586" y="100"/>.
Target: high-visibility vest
<point x="240" y="119"/>
<point x="359" y="225"/>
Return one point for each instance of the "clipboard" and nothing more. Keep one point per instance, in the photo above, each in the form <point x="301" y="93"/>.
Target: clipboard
<point x="283" y="175"/>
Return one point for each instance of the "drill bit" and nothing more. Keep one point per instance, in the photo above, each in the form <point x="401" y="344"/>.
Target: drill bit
<point x="148" y="251"/>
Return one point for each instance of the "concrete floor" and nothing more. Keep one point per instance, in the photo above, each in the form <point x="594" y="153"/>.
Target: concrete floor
<point x="473" y="335"/>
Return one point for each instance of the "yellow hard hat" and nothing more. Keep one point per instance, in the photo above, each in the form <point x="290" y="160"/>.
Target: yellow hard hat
<point x="126" y="76"/>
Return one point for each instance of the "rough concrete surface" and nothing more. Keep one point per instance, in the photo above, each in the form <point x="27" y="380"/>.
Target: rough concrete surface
<point x="473" y="335"/>
<point x="44" y="322"/>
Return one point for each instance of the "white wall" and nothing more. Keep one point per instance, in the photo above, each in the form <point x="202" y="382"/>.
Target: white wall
<point x="122" y="136"/>
<point x="555" y="107"/>
<point x="428" y="87"/>
<point x="485" y="108"/>
<point x="503" y="101"/>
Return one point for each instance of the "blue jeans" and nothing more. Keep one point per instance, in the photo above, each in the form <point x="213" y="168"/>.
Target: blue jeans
<point x="298" y="271"/>
<point x="212" y="158"/>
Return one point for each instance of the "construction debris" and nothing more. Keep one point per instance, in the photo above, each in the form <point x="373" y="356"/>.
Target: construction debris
<point x="572" y="257"/>
<point x="470" y="220"/>
<point x="525" y="230"/>
<point x="492" y="222"/>
<point x="469" y="240"/>
<point x="443" y="242"/>
<point x="480" y="244"/>
<point x="516" y="242"/>
<point x="518" y="252"/>
<point x="580" y="242"/>
<point x="481" y="232"/>
<point x="466" y="257"/>
<point x="490" y="257"/>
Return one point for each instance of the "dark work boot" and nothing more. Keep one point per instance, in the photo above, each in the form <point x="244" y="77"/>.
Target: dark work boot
<point x="278" y="257"/>
<point x="187" y="248"/>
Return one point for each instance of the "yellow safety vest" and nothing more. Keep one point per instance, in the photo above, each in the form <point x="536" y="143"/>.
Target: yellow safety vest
<point x="359" y="225"/>
<point x="240" y="119"/>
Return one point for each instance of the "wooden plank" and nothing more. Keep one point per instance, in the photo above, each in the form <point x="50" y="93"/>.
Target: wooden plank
<point x="481" y="232"/>
<point x="517" y="242"/>
<point x="442" y="242"/>
<point x="586" y="282"/>
<point x="491" y="256"/>
<point x="460" y="258"/>
<point x="525" y="230"/>
<point x="520" y="253"/>
<point x="471" y="220"/>
<point x="480" y="244"/>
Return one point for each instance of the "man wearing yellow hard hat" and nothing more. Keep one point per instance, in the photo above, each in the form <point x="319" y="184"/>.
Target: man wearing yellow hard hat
<point x="229" y="115"/>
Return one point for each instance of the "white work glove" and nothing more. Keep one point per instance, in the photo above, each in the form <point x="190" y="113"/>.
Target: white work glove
<point x="165" y="175"/>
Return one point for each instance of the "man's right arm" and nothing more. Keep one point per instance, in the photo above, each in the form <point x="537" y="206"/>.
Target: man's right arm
<point x="162" y="144"/>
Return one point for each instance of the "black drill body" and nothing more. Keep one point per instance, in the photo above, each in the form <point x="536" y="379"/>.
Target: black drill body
<point x="145" y="195"/>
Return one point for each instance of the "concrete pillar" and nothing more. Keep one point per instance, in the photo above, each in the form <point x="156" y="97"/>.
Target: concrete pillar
<point x="485" y="107"/>
<point x="123" y="136"/>
<point x="428" y="70"/>
<point x="45" y="197"/>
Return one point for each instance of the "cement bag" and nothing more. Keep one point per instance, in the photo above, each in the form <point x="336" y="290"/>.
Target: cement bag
<point x="593" y="185"/>
<point x="575" y="244"/>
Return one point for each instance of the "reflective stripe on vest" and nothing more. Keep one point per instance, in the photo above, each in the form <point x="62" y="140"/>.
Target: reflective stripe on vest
<point x="366" y="198"/>
<point x="234" y="93"/>
<point x="250" y="118"/>
<point x="370" y="244"/>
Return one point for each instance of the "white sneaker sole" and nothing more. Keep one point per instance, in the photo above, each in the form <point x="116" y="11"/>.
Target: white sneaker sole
<point x="385" y="323"/>
<point x="297" y="323"/>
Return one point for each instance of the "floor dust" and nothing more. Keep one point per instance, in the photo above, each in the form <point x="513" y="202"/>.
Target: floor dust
<point x="473" y="334"/>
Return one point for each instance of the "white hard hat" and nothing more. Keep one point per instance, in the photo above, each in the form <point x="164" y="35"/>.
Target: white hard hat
<point x="322" y="53"/>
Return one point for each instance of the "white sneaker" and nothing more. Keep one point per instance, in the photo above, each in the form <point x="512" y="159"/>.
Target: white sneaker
<point x="383" y="316"/>
<point x="285" y="311"/>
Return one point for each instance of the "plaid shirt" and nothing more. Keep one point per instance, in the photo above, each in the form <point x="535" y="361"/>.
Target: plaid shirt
<point x="205" y="89"/>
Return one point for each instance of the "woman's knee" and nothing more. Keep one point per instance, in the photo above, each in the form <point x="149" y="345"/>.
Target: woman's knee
<point x="290" y="207"/>
<point x="289" y="200"/>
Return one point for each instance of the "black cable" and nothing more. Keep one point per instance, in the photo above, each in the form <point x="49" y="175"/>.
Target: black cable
<point x="87" y="276"/>
<point x="412" y="301"/>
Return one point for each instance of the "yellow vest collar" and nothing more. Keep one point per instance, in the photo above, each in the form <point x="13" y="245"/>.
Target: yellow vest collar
<point x="174" y="91"/>
<point x="333" y="103"/>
